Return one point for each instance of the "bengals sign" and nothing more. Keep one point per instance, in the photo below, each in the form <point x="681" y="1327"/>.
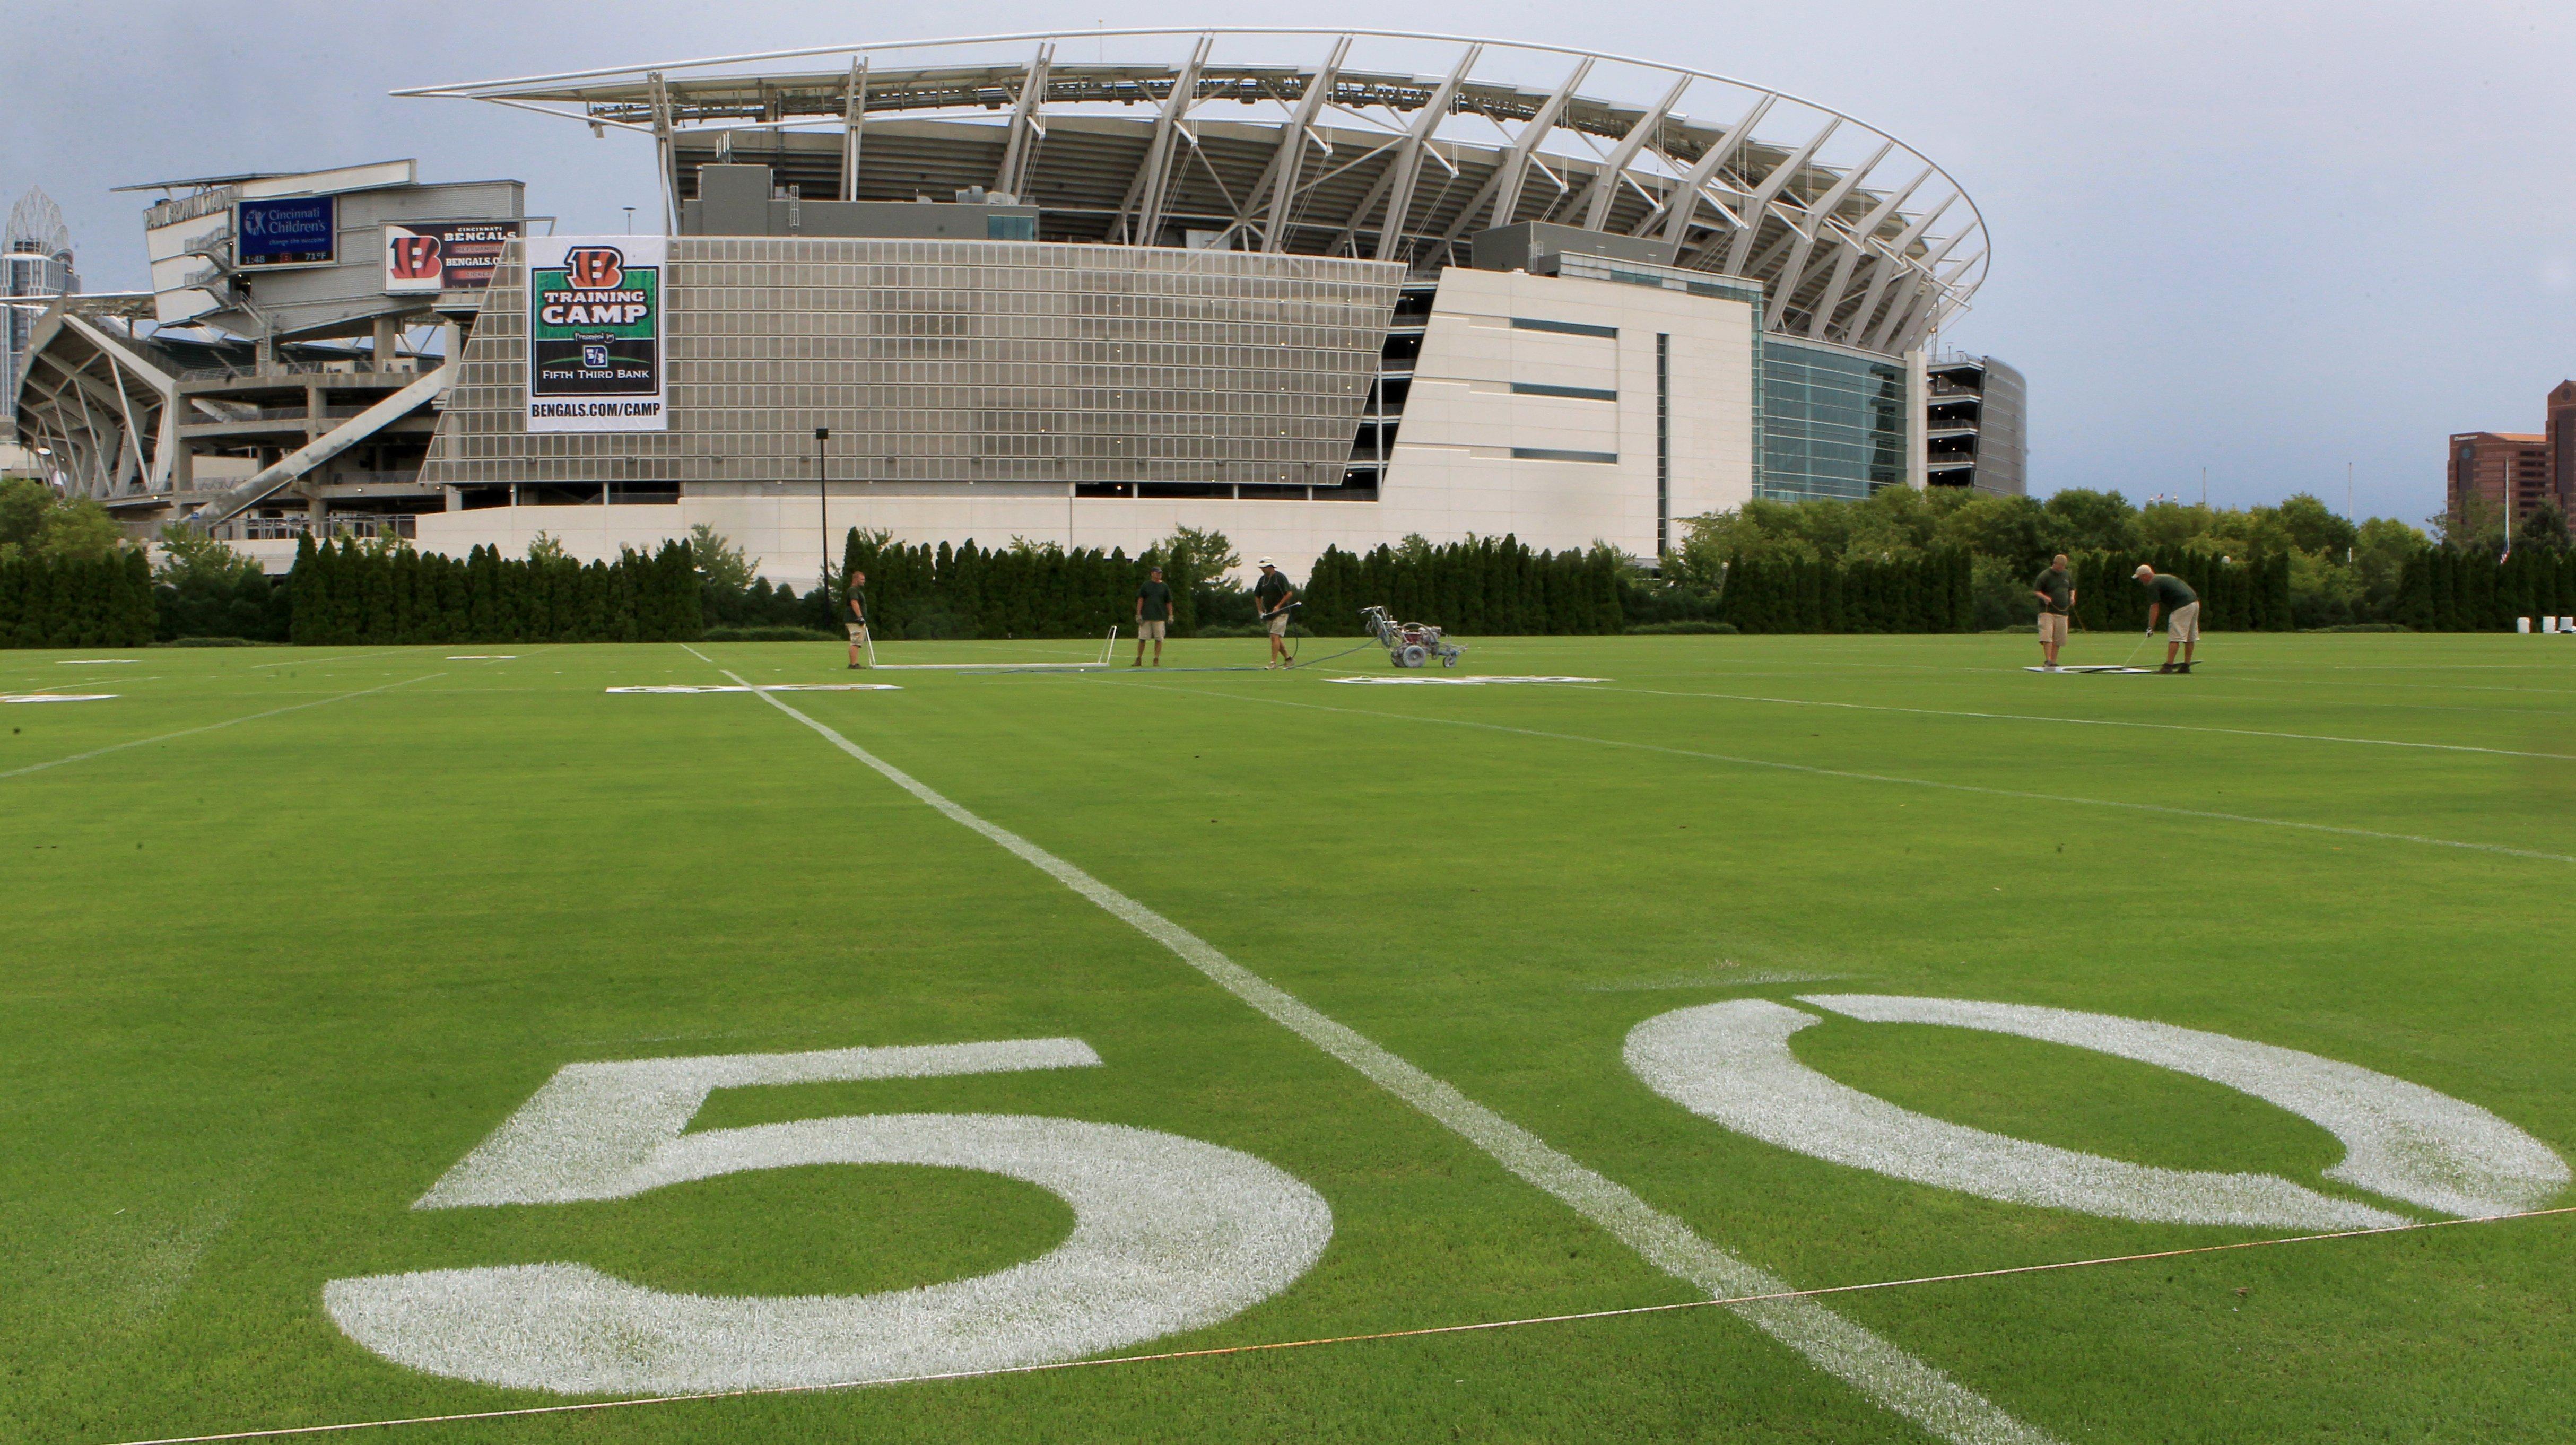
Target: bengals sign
<point x="432" y="256"/>
<point x="595" y="346"/>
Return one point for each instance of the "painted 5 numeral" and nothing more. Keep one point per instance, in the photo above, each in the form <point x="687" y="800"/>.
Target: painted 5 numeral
<point x="1169" y="1234"/>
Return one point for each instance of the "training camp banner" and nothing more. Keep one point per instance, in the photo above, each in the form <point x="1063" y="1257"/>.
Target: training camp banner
<point x="595" y="356"/>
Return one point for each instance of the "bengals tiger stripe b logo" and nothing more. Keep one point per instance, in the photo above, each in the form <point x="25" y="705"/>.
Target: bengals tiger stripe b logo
<point x="595" y="268"/>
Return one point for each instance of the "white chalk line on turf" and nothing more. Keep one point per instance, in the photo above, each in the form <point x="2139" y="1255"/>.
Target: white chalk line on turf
<point x="2090" y="722"/>
<point x="1860" y="777"/>
<point x="212" y="726"/>
<point x="1878" y="1368"/>
<point x="1217" y="1351"/>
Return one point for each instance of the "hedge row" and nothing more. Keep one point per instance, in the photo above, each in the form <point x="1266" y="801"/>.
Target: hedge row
<point x="2443" y="591"/>
<point x="1489" y="587"/>
<point x="924" y="591"/>
<point x="348" y="594"/>
<point x="101" y="603"/>
<point x="2235" y="596"/>
<point x="1927" y="594"/>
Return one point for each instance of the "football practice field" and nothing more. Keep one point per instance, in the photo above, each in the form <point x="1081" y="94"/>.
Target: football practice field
<point x="1736" y="1025"/>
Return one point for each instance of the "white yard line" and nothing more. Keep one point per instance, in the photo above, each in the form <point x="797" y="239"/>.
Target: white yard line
<point x="2092" y="722"/>
<point x="1876" y="1367"/>
<point x="324" y="661"/>
<point x="210" y="727"/>
<point x="1861" y="777"/>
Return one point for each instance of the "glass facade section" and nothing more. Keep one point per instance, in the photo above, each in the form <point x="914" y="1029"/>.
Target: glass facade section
<point x="1833" y="422"/>
<point x="959" y="361"/>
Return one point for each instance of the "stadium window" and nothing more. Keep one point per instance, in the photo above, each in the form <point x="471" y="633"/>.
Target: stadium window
<point x="1563" y="328"/>
<point x="1579" y="393"/>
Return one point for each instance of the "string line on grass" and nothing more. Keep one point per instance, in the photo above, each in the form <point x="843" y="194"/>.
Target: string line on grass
<point x="2091" y="722"/>
<point x="1855" y="776"/>
<point x="1420" y="1332"/>
<point x="212" y="726"/>
<point x="1878" y="1368"/>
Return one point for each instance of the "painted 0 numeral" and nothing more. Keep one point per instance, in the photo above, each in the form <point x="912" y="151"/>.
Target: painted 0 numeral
<point x="1169" y="1234"/>
<point x="1731" y="1062"/>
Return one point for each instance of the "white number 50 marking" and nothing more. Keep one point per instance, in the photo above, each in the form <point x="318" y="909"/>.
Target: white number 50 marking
<point x="1169" y="1234"/>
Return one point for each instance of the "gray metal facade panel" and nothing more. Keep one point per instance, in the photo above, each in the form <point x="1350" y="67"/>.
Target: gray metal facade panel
<point x="959" y="361"/>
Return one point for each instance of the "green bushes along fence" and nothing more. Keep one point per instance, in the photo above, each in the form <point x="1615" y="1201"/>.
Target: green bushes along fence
<point x="348" y="592"/>
<point x="1930" y="593"/>
<point x="76" y="602"/>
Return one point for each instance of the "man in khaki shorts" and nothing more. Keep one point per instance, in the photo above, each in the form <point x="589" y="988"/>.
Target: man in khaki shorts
<point x="1153" y="615"/>
<point x="858" y="619"/>
<point x="2055" y="589"/>
<point x="1271" y="598"/>
<point x="2181" y="607"/>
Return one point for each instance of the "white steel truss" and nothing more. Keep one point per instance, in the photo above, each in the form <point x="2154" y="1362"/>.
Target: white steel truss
<point x="1329" y="156"/>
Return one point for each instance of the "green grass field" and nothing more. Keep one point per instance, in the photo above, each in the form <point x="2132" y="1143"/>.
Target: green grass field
<point x="289" y="933"/>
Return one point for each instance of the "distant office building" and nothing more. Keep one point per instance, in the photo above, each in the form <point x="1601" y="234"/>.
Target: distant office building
<point x="1976" y="433"/>
<point x="2561" y="447"/>
<point x="35" y="267"/>
<point x="2495" y="465"/>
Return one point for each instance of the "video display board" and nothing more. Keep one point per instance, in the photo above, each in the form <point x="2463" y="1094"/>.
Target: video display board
<point x="286" y="231"/>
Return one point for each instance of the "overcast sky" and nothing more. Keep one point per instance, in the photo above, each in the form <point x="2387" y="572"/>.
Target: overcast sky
<point x="2268" y="239"/>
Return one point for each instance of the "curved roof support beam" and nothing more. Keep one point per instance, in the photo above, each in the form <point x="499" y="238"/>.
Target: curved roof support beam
<point x="1281" y="179"/>
<point x="1918" y="275"/>
<point x="1141" y="213"/>
<point x="1507" y="178"/>
<point x="1504" y="184"/>
<point x="1886" y="265"/>
<point x="666" y="153"/>
<point x="1820" y="214"/>
<point x="1605" y="181"/>
<point x="1408" y="157"/>
<point x="1679" y="207"/>
<point x="1762" y="197"/>
<point x="1832" y="299"/>
<point x="854" y="115"/>
<point x="1938" y="302"/>
<point x="1022" y="146"/>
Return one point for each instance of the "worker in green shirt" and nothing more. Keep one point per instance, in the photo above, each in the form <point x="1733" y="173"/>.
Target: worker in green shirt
<point x="1272" y="596"/>
<point x="2055" y="589"/>
<point x="1153" y="614"/>
<point x="2181" y="607"/>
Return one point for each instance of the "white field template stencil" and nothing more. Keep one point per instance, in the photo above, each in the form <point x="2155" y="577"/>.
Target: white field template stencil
<point x="1730" y="1062"/>
<point x="1169" y="1234"/>
<point x="1888" y="1375"/>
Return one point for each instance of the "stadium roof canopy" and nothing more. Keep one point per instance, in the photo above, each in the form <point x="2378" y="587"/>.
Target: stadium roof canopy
<point x="1379" y="144"/>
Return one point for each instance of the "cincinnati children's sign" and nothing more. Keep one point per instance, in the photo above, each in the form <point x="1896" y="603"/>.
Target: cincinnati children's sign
<point x="595" y="359"/>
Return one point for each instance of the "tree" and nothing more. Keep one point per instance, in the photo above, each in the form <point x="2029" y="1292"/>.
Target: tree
<point x="2545" y="530"/>
<point x="2312" y="527"/>
<point x="723" y="569"/>
<point x="2171" y="524"/>
<point x="23" y="504"/>
<point x="2082" y="520"/>
<point x="37" y="523"/>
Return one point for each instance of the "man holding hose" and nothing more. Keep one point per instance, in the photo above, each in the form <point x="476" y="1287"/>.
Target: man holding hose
<point x="2181" y="607"/>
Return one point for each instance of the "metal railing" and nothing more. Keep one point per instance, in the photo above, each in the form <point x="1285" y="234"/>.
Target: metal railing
<point x="287" y="529"/>
<point x="304" y="368"/>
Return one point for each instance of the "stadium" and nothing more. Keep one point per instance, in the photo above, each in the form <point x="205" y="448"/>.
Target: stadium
<point x="1306" y="288"/>
<point x="486" y="991"/>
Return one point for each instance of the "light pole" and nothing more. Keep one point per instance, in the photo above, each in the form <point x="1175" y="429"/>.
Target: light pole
<point x="822" y="505"/>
